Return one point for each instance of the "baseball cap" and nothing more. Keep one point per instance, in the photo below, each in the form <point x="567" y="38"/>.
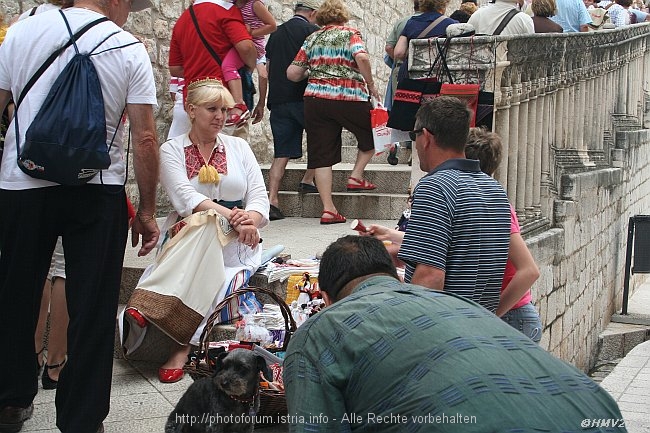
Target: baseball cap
<point x="311" y="4"/>
<point x="139" y="5"/>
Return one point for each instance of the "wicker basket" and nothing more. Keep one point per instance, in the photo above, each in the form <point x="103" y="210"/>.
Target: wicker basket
<point x="273" y="404"/>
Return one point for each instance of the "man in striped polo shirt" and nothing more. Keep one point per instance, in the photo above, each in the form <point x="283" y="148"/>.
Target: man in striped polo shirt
<point x="458" y="236"/>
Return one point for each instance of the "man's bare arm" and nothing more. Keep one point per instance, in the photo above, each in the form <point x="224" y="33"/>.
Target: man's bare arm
<point x="146" y="165"/>
<point x="176" y="71"/>
<point x="429" y="277"/>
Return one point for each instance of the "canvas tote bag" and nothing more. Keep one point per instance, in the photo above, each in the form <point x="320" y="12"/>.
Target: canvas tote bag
<point x="176" y="292"/>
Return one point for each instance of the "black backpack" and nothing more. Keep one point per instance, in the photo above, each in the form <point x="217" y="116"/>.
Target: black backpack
<point x="66" y="141"/>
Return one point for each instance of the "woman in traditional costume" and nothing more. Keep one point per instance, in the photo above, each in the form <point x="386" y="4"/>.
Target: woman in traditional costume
<point x="217" y="190"/>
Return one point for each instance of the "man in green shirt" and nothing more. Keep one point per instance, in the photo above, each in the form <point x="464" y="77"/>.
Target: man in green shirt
<point x="393" y="357"/>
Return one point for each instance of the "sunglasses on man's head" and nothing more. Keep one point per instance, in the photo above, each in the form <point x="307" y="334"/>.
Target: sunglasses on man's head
<point x="414" y="134"/>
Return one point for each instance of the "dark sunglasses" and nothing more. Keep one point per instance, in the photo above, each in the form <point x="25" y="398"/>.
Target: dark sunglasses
<point x="414" y="134"/>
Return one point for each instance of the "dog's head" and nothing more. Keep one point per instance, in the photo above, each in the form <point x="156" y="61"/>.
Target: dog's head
<point x="237" y="372"/>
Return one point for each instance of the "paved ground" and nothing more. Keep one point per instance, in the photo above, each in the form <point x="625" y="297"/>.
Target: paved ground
<point x="629" y="382"/>
<point x="140" y="404"/>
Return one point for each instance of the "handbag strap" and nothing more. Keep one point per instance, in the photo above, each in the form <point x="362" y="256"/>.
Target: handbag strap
<point x="504" y="22"/>
<point x="214" y="55"/>
<point x="431" y="27"/>
<point x="442" y="55"/>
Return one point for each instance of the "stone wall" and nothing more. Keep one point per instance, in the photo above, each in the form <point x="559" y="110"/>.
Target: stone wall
<point x="582" y="258"/>
<point x="154" y="27"/>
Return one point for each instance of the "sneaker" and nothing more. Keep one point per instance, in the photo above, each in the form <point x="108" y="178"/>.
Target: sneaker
<point x="307" y="188"/>
<point x="12" y="418"/>
<point x="275" y="214"/>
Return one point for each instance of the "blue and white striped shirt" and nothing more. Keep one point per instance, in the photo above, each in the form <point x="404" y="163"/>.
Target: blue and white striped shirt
<point x="460" y="223"/>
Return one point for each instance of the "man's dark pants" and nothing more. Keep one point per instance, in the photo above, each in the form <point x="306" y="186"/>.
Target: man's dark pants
<point x="92" y="219"/>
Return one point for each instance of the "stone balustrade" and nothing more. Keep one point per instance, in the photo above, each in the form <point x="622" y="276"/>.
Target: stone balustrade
<point x="559" y="99"/>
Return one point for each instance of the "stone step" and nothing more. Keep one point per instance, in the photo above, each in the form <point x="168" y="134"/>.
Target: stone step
<point x="349" y="153"/>
<point x="390" y="179"/>
<point x="350" y="204"/>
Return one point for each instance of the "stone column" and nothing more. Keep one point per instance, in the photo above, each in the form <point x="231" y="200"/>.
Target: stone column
<point x="560" y="114"/>
<point x="621" y="94"/>
<point x="502" y="127"/>
<point x="514" y="144"/>
<point x="531" y="143"/>
<point x="539" y="143"/>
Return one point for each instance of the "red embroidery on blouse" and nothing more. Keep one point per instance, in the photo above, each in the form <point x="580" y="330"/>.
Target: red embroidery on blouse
<point x="194" y="161"/>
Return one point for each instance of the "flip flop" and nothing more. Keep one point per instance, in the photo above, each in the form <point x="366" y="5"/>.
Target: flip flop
<point x="363" y="185"/>
<point x="337" y="218"/>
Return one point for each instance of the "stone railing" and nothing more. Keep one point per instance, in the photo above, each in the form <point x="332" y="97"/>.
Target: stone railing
<point x="559" y="101"/>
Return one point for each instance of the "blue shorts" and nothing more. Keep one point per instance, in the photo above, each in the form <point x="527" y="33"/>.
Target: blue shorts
<point x="287" y="125"/>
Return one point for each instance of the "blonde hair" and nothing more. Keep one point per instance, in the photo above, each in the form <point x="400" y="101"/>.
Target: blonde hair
<point x="434" y="5"/>
<point x="332" y="12"/>
<point x="544" y="8"/>
<point x="468" y="7"/>
<point x="208" y="90"/>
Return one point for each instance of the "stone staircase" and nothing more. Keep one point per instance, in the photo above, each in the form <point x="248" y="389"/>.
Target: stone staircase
<point x="386" y="202"/>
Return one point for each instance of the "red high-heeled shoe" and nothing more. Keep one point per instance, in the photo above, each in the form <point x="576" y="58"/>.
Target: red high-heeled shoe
<point x="170" y="375"/>
<point x="138" y="318"/>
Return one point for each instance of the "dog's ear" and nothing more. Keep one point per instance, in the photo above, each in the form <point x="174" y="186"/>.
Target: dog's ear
<point x="219" y="361"/>
<point x="264" y="368"/>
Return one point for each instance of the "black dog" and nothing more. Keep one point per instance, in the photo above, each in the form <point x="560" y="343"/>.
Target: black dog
<point x="225" y="402"/>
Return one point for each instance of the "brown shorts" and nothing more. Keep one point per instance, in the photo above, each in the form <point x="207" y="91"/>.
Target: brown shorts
<point x="324" y="121"/>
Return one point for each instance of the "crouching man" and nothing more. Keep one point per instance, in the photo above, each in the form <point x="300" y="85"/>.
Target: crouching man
<point x="415" y="360"/>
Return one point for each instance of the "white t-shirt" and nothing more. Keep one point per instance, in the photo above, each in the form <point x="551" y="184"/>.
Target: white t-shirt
<point x="487" y="18"/>
<point x="125" y="74"/>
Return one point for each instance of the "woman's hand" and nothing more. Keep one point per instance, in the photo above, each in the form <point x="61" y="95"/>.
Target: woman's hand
<point x="372" y="90"/>
<point x="248" y="235"/>
<point x="240" y="217"/>
<point x="246" y="225"/>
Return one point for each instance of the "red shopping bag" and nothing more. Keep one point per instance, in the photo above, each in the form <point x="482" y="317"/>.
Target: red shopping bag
<point x="380" y="132"/>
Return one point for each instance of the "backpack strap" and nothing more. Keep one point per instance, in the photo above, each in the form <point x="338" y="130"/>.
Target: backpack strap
<point x="214" y="55"/>
<point x="53" y="57"/>
<point x="504" y="22"/>
<point x="33" y="11"/>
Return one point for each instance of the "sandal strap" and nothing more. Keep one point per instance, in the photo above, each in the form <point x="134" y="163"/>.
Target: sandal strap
<point x="60" y="364"/>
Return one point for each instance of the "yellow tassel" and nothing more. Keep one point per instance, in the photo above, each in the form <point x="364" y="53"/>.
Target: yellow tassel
<point x="208" y="174"/>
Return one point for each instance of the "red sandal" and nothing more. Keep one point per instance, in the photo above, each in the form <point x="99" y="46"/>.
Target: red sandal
<point x="337" y="218"/>
<point x="238" y="119"/>
<point x="362" y="185"/>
